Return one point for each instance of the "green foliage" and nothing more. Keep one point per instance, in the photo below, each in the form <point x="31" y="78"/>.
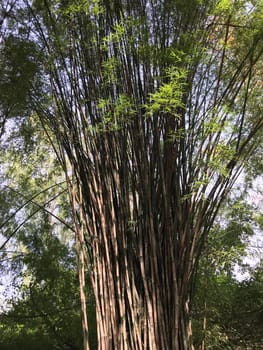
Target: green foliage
<point x="39" y="257"/>
<point x="114" y="115"/>
<point x="47" y="313"/>
<point x="168" y="98"/>
<point x="233" y="312"/>
<point x="232" y="309"/>
<point x="28" y="335"/>
<point x="223" y="6"/>
<point x="18" y="70"/>
<point x="91" y="7"/>
<point x="259" y="220"/>
<point x="109" y="70"/>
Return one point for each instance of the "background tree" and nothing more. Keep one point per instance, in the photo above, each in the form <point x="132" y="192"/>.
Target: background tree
<point x="221" y="318"/>
<point x="46" y="314"/>
<point x="153" y="108"/>
<point x="42" y="307"/>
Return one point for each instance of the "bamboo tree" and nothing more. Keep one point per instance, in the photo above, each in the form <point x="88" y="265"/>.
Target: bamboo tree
<point x="149" y="101"/>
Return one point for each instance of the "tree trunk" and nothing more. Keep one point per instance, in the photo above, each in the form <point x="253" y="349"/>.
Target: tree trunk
<point x="139" y="306"/>
<point x="141" y="273"/>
